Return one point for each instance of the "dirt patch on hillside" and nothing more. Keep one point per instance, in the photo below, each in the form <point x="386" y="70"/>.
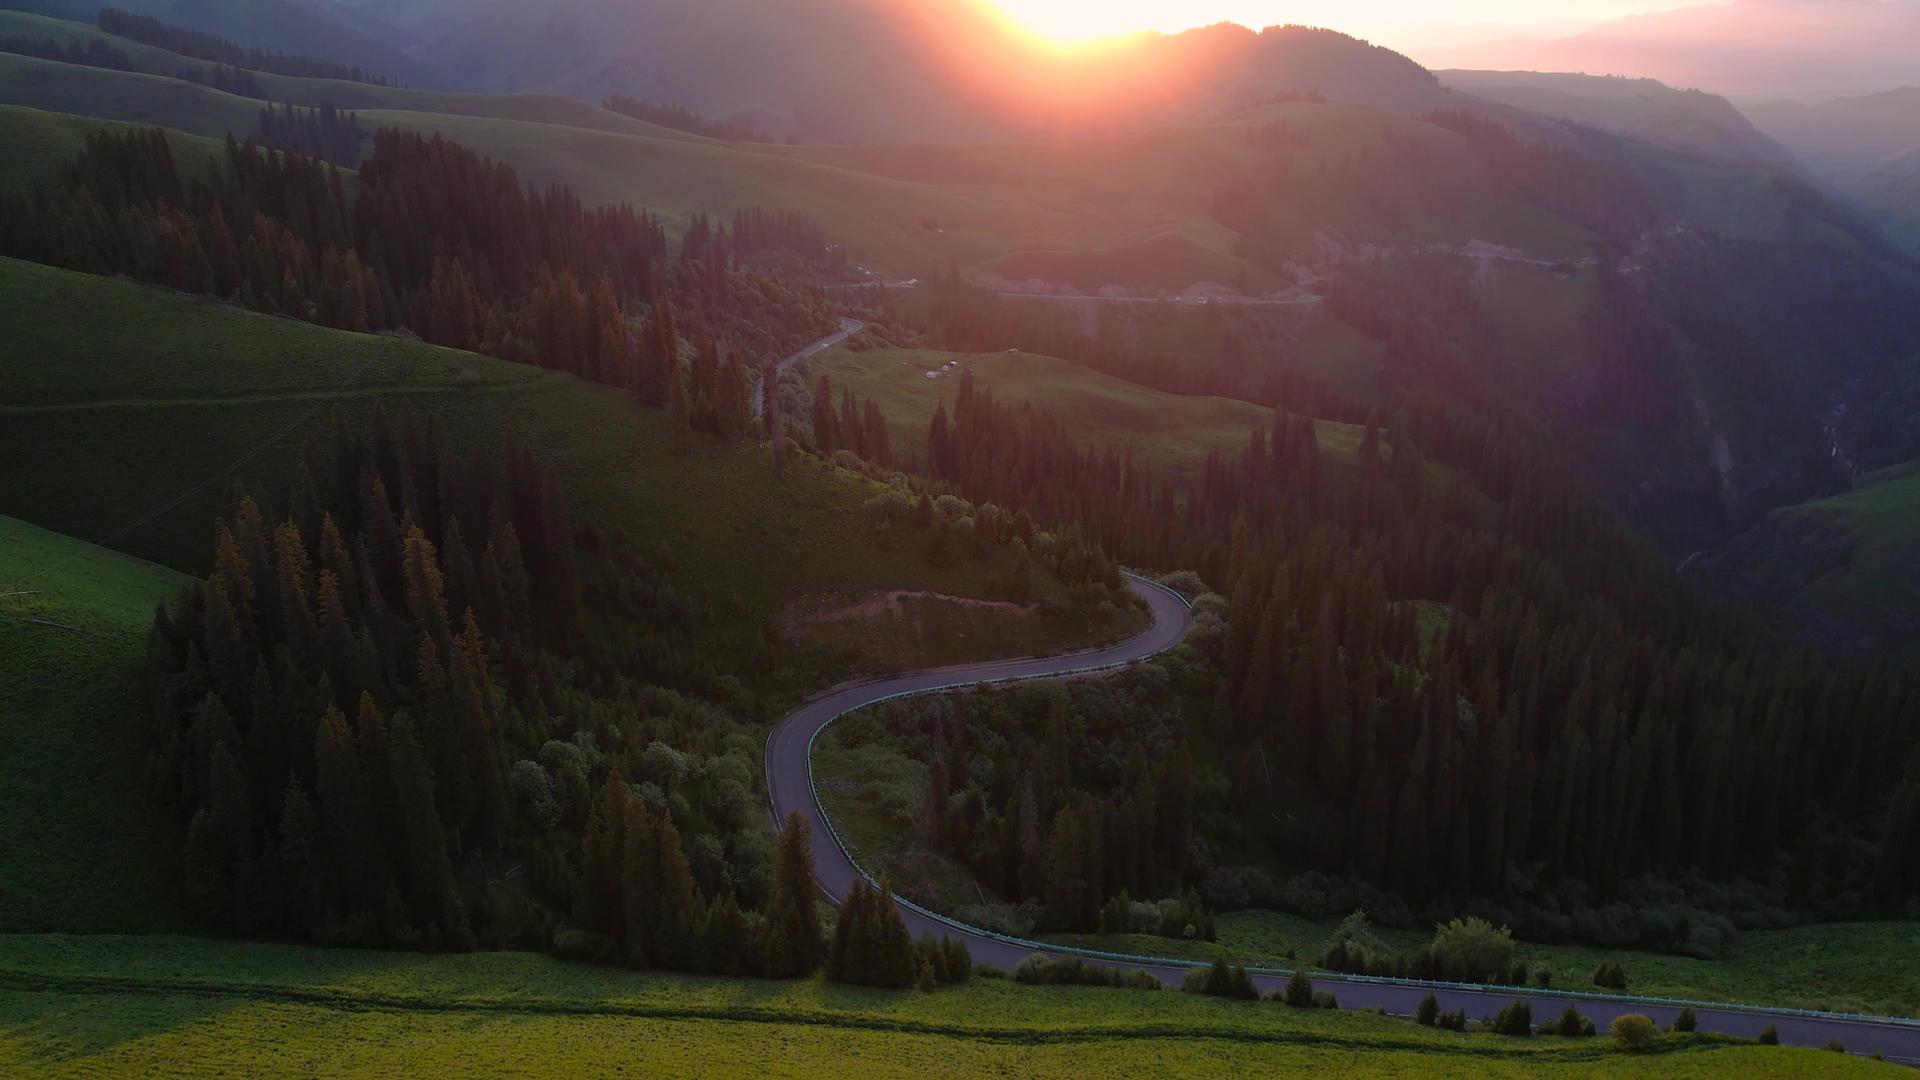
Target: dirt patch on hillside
<point x="893" y="604"/>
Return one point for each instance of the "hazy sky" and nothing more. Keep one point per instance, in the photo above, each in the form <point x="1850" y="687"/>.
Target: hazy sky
<point x="1397" y="23"/>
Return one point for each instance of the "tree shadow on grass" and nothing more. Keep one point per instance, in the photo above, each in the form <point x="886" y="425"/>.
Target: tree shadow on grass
<point x="50" y="1027"/>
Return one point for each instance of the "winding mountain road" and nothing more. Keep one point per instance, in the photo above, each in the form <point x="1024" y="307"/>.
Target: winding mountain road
<point x="790" y="790"/>
<point x="848" y="328"/>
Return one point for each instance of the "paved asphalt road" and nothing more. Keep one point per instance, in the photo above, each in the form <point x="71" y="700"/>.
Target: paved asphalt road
<point x="848" y="328"/>
<point x="790" y="789"/>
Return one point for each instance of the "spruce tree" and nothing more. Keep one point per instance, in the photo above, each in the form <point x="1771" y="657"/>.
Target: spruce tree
<point x="794" y="943"/>
<point x="891" y="951"/>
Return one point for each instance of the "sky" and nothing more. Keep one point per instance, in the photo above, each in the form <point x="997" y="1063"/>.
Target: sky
<point x="1395" y="23"/>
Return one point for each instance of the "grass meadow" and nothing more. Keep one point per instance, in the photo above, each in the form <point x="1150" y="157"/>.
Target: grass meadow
<point x="78" y="848"/>
<point x="185" y="1007"/>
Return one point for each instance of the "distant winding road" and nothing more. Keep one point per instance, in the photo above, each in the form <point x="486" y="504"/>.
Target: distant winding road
<point x="848" y="328"/>
<point x="790" y="790"/>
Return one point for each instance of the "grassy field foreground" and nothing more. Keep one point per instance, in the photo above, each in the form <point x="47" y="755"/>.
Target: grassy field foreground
<point x="184" y="1007"/>
<point x="1844" y="967"/>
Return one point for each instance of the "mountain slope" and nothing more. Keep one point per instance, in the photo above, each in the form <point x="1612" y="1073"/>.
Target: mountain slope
<point x="1744" y="48"/>
<point x="1891" y="192"/>
<point x="80" y="851"/>
<point x="282" y="89"/>
<point x="314" y="28"/>
<point x="1847" y="135"/>
<point x="118" y="371"/>
<point x="895" y="71"/>
<point x="1701" y="417"/>
<point x="1867" y="148"/>
<point x="1842" y="571"/>
<point x="1686" y="120"/>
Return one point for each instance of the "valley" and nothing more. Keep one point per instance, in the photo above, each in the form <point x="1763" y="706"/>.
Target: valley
<point x="663" y="535"/>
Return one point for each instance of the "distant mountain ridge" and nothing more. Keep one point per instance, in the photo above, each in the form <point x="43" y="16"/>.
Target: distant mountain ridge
<point x="891" y="71"/>
<point x="1866" y="147"/>
<point x="1691" y="121"/>
<point x="316" y="28"/>
<point x="1746" y="48"/>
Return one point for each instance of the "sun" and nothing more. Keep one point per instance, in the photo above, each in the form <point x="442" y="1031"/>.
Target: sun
<point x="1072" y="22"/>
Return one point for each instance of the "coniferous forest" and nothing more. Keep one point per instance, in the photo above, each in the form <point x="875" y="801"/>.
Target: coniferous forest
<point x="382" y="726"/>
<point x="1466" y="679"/>
<point x="437" y="240"/>
<point x="211" y="47"/>
<point x="1446" y="679"/>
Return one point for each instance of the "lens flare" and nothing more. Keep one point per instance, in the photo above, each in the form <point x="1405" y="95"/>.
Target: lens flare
<point x="1079" y="21"/>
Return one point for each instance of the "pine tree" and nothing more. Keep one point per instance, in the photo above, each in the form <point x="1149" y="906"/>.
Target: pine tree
<point x="776" y="424"/>
<point x="848" y="958"/>
<point x="680" y="407"/>
<point x="301" y="870"/>
<point x="794" y="944"/>
<point x="681" y="912"/>
<point x="891" y="948"/>
<point x="826" y="435"/>
<point x="425" y="589"/>
<point x="346" y="813"/>
<point x="432" y="895"/>
<point x="642" y="887"/>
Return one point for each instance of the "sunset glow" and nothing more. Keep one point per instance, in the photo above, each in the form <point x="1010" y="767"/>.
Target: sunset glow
<point x="1072" y="21"/>
<point x="1392" y="22"/>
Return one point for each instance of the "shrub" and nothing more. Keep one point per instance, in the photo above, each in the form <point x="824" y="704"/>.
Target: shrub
<point x="1473" y="950"/>
<point x="1836" y="1046"/>
<point x="1454" y="1021"/>
<point x="584" y="945"/>
<point x="1542" y="978"/>
<point x="1515" y="1019"/>
<point x="1771" y="1036"/>
<point x="988" y="971"/>
<point x="1429" y="1012"/>
<point x="1357" y="950"/>
<point x="1324" y="999"/>
<point x="1635" y="1033"/>
<point x="941" y="961"/>
<point x="1221" y="980"/>
<point x="1610" y="976"/>
<point x="1042" y="970"/>
<point x="1570" y="1024"/>
<point x="1686" y="1021"/>
<point x="1185" y="582"/>
<point x="1299" y="991"/>
<point x="1518" y="976"/>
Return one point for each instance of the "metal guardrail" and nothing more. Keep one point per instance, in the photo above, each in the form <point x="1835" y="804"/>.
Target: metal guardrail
<point x="1518" y="992"/>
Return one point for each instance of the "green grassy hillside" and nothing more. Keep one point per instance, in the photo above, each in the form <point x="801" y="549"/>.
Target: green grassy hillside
<point x="924" y="206"/>
<point x="155" y="403"/>
<point x="96" y="1006"/>
<point x="132" y="97"/>
<point x="661" y="171"/>
<point x="78" y="851"/>
<point x="39" y="144"/>
<point x="1141" y="211"/>
<point x="1844" y="570"/>
<point x="1172" y="430"/>
<point x="539" y="108"/>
